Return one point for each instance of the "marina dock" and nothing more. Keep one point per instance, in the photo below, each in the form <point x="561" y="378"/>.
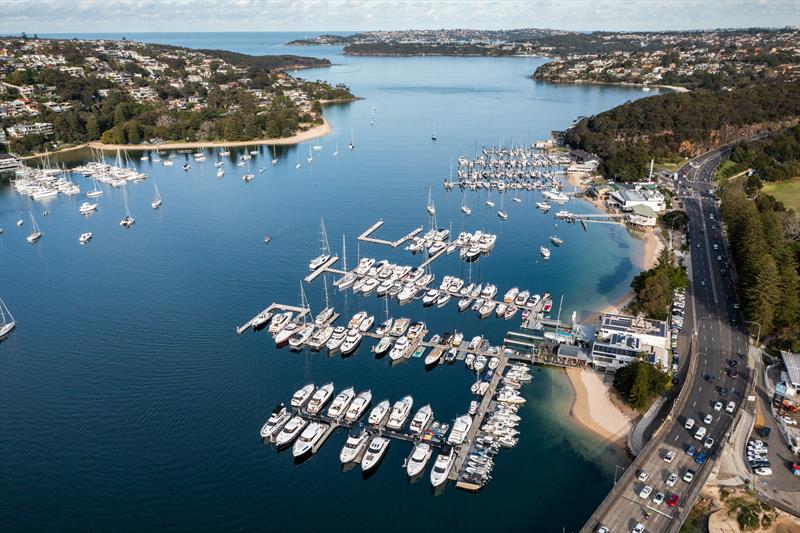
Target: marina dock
<point x="325" y="267"/>
<point x="366" y="236"/>
<point x="300" y="312"/>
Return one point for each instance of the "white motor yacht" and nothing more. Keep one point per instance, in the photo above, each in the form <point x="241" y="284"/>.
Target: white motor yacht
<point x="400" y="349"/>
<point x="85" y="237"/>
<point x="400" y="412"/>
<point x="300" y="397"/>
<point x="309" y="438"/>
<point x="421" y="420"/>
<point x="261" y="320"/>
<point x="419" y="457"/>
<point x="351" y="341"/>
<point x="385" y="327"/>
<point x="375" y="452"/>
<point x="337" y="338"/>
<point x="283" y="336"/>
<point x="460" y="429"/>
<point x="544" y="251"/>
<point x="430" y="297"/>
<point x="366" y="324"/>
<point x="86" y="207"/>
<point x="280" y="322"/>
<point x="355" y="444"/>
<point x="342" y="401"/>
<point x="279" y="416"/>
<point x="511" y="295"/>
<point x="407" y="294"/>
<point x="358" y="406"/>
<point x="355" y="322"/>
<point x="320" y="398"/>
<point x="441" y="468"/>
<point x="318" y="261"/>
<point x="400" y="326"/>
<point x="299" y="339"/>
<point x="383" y="346"/>
<point x="379" y="413"/>
<point x="290" y="431"/>
<point x="320" y="338"/>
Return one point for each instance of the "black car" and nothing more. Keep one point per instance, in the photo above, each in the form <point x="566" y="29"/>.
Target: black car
<point x="733" y="373"/>
<point x="723" y="391"/>
<point x="765" y="432"/>
<point x="733" y="363"/>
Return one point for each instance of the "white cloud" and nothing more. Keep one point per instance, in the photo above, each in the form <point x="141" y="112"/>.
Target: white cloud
<point x="43" y="16"/>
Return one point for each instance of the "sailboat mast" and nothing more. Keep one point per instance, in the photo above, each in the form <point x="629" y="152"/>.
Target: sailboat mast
<point x="344" y="253"/>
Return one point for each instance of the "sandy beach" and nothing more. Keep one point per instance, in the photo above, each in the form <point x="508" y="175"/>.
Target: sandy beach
<point x="317" y="131"/>
<point x="593" y="408"/>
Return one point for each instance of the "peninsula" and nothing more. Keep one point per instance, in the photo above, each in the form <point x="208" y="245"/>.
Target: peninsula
<point x="60" y="93"/>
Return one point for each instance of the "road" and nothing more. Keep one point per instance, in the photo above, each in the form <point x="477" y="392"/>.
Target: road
<point x="720" y="342"/>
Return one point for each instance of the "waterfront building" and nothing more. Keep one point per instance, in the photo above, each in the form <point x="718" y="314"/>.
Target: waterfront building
<point x="621" y="339"/>
<point x="642" y="215"/>
<point x="22" y="130"/>
<point x="625" y="198"/>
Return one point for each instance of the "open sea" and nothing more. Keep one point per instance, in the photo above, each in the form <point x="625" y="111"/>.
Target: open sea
<point x="127" y="402"/>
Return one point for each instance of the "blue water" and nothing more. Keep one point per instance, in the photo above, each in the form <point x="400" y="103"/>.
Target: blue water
<point x="128" y="403"/>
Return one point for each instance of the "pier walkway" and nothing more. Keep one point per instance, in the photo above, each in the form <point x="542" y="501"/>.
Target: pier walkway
<point x="299" y="311"/>
<point x="366" y="236"/>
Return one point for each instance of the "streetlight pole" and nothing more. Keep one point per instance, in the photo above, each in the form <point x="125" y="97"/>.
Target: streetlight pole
<point x="758" y="335"/>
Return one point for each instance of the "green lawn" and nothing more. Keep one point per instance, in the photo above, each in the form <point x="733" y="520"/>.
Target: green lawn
<point x="787" y="192"/>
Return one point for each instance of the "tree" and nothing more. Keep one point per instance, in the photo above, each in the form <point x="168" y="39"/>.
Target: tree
<point x="92" y="128"/>
<point x="133" y="133"/>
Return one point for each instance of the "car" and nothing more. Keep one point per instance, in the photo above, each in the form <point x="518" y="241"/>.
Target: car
<point x="690" y="451"/>
<point x="708" y="419"/>
<point x="688" y="476"/>
<point x="731" y="407"/>
<point x="672" y="479"/>
<point x="765" y="432"/>
<point x="716" y="246"/>
<point x="698" y="245"/>
<point x="602" y="529"/>
<point x="700" y="433"/>
<point x="733" y="363"/>
<point x="711" y="216"/>
<point x="689" y="423"/>
<point x="719" y="258"/>
<point x="645" y="492"/>
<point x="736" y="306"/>
<point x="723" y="391"/>
<point x="638" y="528"/>
<point x="673" y="500"/>
<point x="703" y="283"/>
<point x="700" y="458"/>
<point x="763" y="471"/>
<point x="670" y="455"/>
<point x="718" y="406"/>
<point x="642" y="475"/>
<point x="709" y="443"/>
<point x="658" y="498"/>
<point x="733" y="373"/>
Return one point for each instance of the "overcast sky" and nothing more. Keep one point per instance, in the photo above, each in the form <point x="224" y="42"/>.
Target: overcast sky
<point x="83" y="16"/>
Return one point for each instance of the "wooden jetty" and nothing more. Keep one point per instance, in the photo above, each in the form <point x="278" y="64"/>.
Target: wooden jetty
<point x="366" y="236"/>
<point x="325" y="267"/>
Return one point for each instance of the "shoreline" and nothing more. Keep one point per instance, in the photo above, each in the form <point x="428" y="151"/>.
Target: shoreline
<point x="593" y="410"/>
<point x="300" y="137"/>
<point x="674" y="88"/>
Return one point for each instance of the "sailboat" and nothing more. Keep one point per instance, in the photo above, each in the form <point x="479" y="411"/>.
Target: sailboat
<point x="352" y="145"/>
<point x="36" y="234"/>
<point x="431" y="208"/>
<point x="489" y="201"/>
<point x="97" y="191"/>
<point x="128" y="221"/>
<point x="433" y="136"/>
<point x="157" y="200"/>
<point x="502" y="214"/>
<point x="20" y="222"/>
<point x="7" y="322"/>
<point x="326" y="251"/>
<point x="274" y="157"/>
<point x="554" y="238"/>
<point x="317" y="147"/>
<point x="545" y="252"/>
<point x="336" y="152"/>
<point x="298" y="160"/>
<point x="249" y="176"/>
<point x="310" y="157"/>
<point x="464" y="209"/>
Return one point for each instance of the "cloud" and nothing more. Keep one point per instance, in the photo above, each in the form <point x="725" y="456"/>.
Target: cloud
<point x="77" y="16"/>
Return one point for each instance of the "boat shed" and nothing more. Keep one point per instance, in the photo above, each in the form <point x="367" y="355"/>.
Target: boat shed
<point x="792" y="362"/>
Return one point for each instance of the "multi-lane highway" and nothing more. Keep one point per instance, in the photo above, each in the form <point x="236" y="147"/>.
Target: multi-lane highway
<point x="717" y="376"/>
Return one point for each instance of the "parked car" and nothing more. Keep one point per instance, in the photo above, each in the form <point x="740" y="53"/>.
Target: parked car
<point x="673" y="500"/>
<point x="645" y="492"/>
<point x="764" y="471"/>
<point x="658" y="498"/>
<point x="731" y="407"/>
<point x="688" y="476"/>
<point x="672" y="479"/>
<point x="709" y="443"/>
<point x="642" y="475"/>
<point x="708" y="419"/>
<point x="669" y="456"/>
<point x="718" y="406"/>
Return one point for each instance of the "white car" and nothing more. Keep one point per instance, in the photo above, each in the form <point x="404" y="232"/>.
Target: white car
<point x="718" y="406"/>
<point x="730" y="407"/>
<point x="642" y="475"/>
<point x="689" y="423"/>
<point x="763" y="471"/>
<point x="789" y="421"/>
<point x="672" y="479"/>
<point x="709" y="443"/>
<point x="638" y="528"/>
<point x="669" y="456"/>
<point x="658" y="498"/>
<point x="688" y="476"/>
<point x="708" y="419"/>
<point x="645" y="492"/>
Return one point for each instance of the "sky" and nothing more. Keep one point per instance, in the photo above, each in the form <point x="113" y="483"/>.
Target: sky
<point x="89" y="16"/>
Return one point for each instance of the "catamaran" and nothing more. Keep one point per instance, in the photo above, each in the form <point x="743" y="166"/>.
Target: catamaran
<point x="36" y="234"/>
<point x="7" y="322"/>
<point x="431" y="208"/>
<point x="156" y="203"/>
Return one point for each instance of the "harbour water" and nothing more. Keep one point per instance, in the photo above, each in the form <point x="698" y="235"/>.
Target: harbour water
<point x="127" y="401"/>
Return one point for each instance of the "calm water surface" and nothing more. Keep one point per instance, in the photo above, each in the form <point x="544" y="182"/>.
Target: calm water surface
<point x="128" y="403"/>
